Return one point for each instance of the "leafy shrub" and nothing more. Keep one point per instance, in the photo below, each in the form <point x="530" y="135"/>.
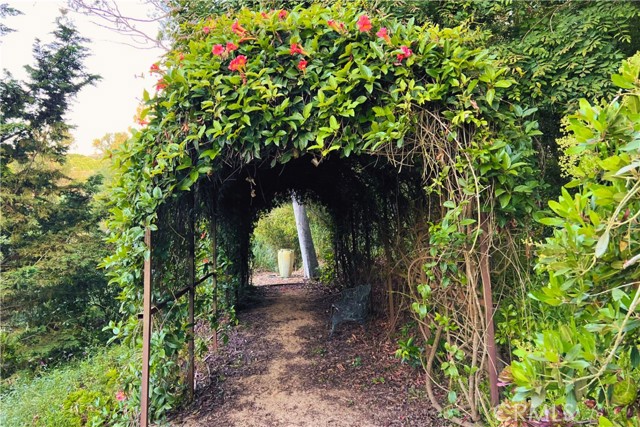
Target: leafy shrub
<point x="588" y="360"/>
<point x="275" y="230"/>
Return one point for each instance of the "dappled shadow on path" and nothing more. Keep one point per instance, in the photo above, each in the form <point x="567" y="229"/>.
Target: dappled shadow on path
<point x="281" y="369"/>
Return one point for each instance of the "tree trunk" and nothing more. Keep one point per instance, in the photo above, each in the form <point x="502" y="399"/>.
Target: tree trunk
<point x="308" y="251"/>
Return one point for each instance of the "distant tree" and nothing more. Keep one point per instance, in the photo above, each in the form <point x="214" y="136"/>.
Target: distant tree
<point x="54" y="300"/>
<point x="6" y="10"/>
<point x="34" y="133"/>
<point x="108" y="142"/>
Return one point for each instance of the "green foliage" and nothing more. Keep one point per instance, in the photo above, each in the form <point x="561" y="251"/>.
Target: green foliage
<point x="79" y="394"/>
<point x="79" y="168"/>
<point x="6" y="10"/>
<point x="559" y="50"/>
<point x="109" y="142"/>
<point x="54" y="299"/>
<point x="274" y="231"/>
<point x="409" y="352"/>
<point x="591" y="263"/>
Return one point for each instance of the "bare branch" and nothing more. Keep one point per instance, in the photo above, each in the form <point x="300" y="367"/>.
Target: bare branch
<point x="139" y="29"/>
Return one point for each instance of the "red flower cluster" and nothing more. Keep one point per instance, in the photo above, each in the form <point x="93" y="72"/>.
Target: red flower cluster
<point x="220" y="50"/>
<point x="302" y="65"/>
<point x="296" y="48"/>
<point x="217" y="50"/>
<point x="206" y="30"/>
<point x="264" y="15"/>
<point x="154" y="68"/>
<point x="384" y="34"/>
<point x="120" y="396"/>
<point x="406" y="52"/>
<point x="181" y="57"/>
<point x="364" y="24"/>
<point x="237" y="28"/>
<point x="338" y="27"/>
<point x="238" y="63"/>
<point x="161" y="84"/>
<point x="282" y="14"/>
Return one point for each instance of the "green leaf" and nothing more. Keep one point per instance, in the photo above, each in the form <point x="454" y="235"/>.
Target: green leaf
<point x="491" y="93"/>
<point x="503" y="83"/>
<point x="376" y="48"/>
<point x="603" y="243"/>
<point x="333" y="123"/>
<point x="504" y="200"/>
<point x="604" y="422"/>
<point x="576" y="149"/>
<point x="554" y="222"/>
<point x="621" y="81"/>
<point x="617" y="294"/>
<point x="157" y="193"/>
<point x="635" y="357"/>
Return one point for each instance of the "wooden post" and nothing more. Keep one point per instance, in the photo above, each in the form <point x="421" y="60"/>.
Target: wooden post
<point x="214" y="267"/>
<point x="492" y="366"/>
<point x="192" y="277"/>
<point x="146" y="332"/>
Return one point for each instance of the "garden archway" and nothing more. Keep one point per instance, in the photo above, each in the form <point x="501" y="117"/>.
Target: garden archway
<point x="251" y="105"/>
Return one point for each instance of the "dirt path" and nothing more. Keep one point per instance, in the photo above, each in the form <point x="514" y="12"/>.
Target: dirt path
<point x="279" y="370"/>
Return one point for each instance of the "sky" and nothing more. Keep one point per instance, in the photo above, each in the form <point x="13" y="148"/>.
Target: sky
<point x="110" y="105"/>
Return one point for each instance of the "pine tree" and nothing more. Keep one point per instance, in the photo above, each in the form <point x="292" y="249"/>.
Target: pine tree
<point x="34" y="135"/>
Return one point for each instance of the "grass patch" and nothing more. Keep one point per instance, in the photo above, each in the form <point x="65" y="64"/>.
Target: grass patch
<point x="81" y="393"/>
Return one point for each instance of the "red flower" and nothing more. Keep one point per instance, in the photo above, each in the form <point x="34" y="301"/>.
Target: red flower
<point x="282" y="14"/>
<point x="302" y="65"/>
<point x="181" y="56"/>
<point x="335" y="26"/>
<point x="237" y="28"/>
<point x="384" y="34"/>
<point x="161" y="84"/>
<point x="205" y="261"/>
<point x="217" y="50"/>
<point x="296" y="48"/>
<point x="142" y="122"/>
<point x="206" y="30"/>
<point x="238" y="63"/>
<point x="264" y="15"/>
<point x="406" y="52"/>
<point x="120" y="396"/>
<point x="231" y="46"/>
<point x="203" y="235"/>
<point x="364" y="24"/>
<point x="154" y="68"/>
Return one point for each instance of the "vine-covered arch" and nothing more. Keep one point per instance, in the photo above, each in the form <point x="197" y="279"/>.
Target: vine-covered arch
<point x="243" y="97"/>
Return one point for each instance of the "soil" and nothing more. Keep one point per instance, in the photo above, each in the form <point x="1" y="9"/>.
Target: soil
<point x="281" y="369"/>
